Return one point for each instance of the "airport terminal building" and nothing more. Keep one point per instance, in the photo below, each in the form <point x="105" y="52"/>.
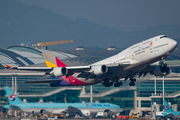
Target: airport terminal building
<point x="142" y="96"/>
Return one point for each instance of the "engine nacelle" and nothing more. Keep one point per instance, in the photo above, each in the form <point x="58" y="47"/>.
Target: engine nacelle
<point x="161" y="70"/>
<point x="86" y="113"/>
<point x="99" y="70"/>
<point x="59" y="71"/>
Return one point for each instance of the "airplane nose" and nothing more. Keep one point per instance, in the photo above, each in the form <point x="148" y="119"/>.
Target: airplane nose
<point x="174" y="43"/>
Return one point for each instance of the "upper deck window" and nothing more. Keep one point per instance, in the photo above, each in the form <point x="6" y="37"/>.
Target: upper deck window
<point x="163" y="36"/>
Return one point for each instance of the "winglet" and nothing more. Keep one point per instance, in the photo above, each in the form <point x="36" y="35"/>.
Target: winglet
<point x="167" y="107"/>
<point x="12" y="97"/>
<point x="52" y="61"/>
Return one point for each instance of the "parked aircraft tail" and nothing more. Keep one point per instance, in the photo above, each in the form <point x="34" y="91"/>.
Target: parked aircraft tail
<point x="167" y="107"/>
<point x="12" y="97"/>
<point x="6" y="66"/>
<point x="52" y="61"/>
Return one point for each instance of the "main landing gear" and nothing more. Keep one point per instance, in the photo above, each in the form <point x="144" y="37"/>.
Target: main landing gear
<point x="107" y="83"/>
<point x="132" y="83"/>
<point x="117" y="84"/>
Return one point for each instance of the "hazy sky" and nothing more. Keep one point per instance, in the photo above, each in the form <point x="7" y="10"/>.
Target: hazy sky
<point x="125" y="15"/>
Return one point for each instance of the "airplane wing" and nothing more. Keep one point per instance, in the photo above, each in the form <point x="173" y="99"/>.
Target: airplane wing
<point x="33" y="68"/>
<point x="70" y="110"/>
<point x="44" y="81"/>
<point x="94" y="70"/>
<point x="73" y="110"/>
<point x="84" y="70"/>
<point x="43" y="111"/>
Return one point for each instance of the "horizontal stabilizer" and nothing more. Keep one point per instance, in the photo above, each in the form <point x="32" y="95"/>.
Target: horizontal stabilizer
<point x="44" y="81"/>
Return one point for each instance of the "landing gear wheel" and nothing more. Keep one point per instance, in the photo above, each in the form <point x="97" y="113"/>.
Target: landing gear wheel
<point x="117" y="84"/>
<point x="131" y="84"/>
<point x="111" y="83"/>
<point x="107" y="85"/>
<point x="106" y="82"/>
<point x="120" y="83"/>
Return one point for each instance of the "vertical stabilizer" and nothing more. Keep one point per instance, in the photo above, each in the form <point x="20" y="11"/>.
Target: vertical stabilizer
<point x="7" y="67"/>
<point x="52" y="61"/>
<point x="167" y="107"/>
<point x="13" y="99"/>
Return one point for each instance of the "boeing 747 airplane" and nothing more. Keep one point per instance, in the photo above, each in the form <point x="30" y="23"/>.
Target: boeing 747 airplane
<point x="128" y="64"/>
<point x="82" y="109"/>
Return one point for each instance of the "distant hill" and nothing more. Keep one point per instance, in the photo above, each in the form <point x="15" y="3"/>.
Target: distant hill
<point x="26" y="23"/>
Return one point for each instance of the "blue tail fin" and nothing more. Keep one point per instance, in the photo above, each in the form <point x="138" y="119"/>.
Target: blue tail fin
<point x="13" y="99"/>
<point x="167" y="107"/>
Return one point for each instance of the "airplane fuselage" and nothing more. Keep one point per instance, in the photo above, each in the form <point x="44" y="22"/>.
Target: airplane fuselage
<point x="57" y="108"/>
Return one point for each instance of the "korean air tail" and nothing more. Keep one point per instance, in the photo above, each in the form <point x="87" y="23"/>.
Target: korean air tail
<point x="52" y="61"/>
<point x="12" y="97"/>
<point x="167" y="107"/>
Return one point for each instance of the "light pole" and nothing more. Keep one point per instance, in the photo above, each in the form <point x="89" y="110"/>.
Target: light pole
<point x="155" y="86"/>
<point x="91" y="99"/>
<point x="163" y="88"/>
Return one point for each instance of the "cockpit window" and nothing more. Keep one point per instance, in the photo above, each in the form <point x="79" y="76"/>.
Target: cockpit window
<point x="163" y="36"/>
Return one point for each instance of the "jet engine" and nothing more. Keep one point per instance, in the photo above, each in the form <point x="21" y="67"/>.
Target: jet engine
<point x="85" y="113"/>
<point x="60" y="71"/>
<point x="99" y="70"/>
<point x="161" y="70"/>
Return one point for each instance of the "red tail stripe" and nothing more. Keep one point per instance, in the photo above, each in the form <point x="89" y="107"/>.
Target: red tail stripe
<point x="60" y="63"/>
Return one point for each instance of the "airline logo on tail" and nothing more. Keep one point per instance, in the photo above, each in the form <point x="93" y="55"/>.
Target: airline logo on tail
<point x="6" y="66"/>
<point x="167" y="107"/>
<point x="12" y="97"/>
